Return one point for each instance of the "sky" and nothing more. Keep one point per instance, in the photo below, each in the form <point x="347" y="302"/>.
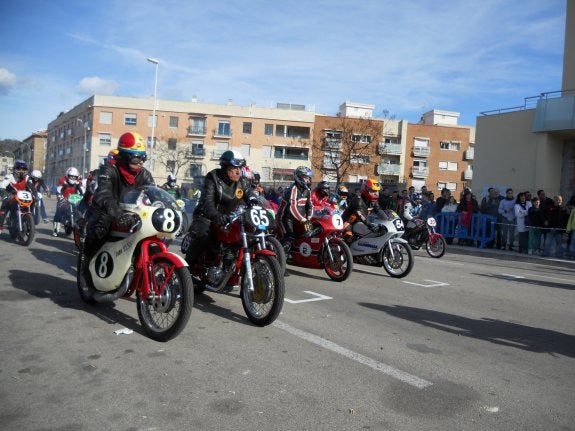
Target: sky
<point x="405" y="57"/>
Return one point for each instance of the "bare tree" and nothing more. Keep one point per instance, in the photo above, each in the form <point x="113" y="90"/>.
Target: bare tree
<point x="175" y="157"/>
<point x="344" y="145"/>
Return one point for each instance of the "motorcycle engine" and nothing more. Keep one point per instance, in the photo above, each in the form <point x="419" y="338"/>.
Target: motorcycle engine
<point x="214" y="275"/>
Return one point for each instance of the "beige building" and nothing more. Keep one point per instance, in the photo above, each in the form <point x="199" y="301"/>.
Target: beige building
<point x="189" y="136"/>
<point x="532" y="146"/>
<point x="33" y="150"/>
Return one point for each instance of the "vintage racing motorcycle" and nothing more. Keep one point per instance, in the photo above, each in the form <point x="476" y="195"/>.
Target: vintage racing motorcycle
<point x="423" y="232"/>
<point x="19" y="219"/>
<point x="137" y="260"/>
<point x="382" y="246"/>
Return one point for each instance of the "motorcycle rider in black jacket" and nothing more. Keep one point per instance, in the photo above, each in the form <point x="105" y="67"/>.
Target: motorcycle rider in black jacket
<point x="223" y="190"/>
<point x="363" y="203"/>
<point x="113" y="180"/>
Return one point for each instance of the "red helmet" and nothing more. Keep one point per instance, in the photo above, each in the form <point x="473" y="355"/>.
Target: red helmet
<point x="370" y="190"/>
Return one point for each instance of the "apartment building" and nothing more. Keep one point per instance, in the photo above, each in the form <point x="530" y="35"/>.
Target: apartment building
<point x="33" y="150"/>
<point x="189" y="137"/>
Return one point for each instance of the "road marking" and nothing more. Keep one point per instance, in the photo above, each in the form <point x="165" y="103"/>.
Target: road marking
<point x="318" y="297"/>
<point x="435" y="283"/>
<point x="364" y="360"/>
<point x="512" y="276"/>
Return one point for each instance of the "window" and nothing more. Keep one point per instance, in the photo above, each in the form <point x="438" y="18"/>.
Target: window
<point x="247" y="128"/>
<point x="281" y="130"/>
<point x="296" y="153"/>
<point x="198" y="126"/>
<point x="449" y="145"/>
<point x="450" y="186"/>
<point x="224" y="128"/>
<point x="152" y="120"/>
<point x="364" y="139"/>
<point x="198" y="148"/>
<point x="130" y="119"/>
<point x="391" y="141"/>
<point x="173" y="122"/>
<point x="269" y="129"/>
<point x="170" y="166"/>
<point x="149" y="141"/>
<point x="245" y="150"/>
<point x="105" y="138"/>
<point x="220" y="148"/>
<point x="266" y="174"/>
<point x="172" y="143"/>
<point x="267" y="151"/>
<point x="448" y="166"/>
<point x="195" y="170"/>
<point x="359" y="158"/>
<point x="105" y="117"/>
<point x="421" y="142"/>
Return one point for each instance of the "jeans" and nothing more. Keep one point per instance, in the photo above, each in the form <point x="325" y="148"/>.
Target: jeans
<point x="554" y="237"/>
<point x="508" y="233"/>
<point x="572" y="245"/>
<point x="535" y="239"/>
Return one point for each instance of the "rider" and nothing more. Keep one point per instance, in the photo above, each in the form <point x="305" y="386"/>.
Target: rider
<point x="113" y="180"/>
<point x="67" y="185"/>
<point x="320" y="195"/>
<point x="343" y="197"/>
<point x="224" y="189"/>
<point x="21" y="182"/>
<point x="411" y="210"/>
<point x="363" y="204"/>
<point x="295" y="206"/>
<point x="39" y="184"/>
<point x="172" y="187"/>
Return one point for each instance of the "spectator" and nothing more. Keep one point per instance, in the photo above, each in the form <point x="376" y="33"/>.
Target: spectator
<point x="507" y="213"/>
<point x="490" y="206"/>
<point x="442" y="200"/>
<point x="534" y="223"/>
<point x="385" y="199"/>
<point x="570" y="228"/>
<point x="554" y="221"/>
<point x="521" y="210"/>
<point x="401" y="202"/>
<point x="466" y="208"/>
<point x="450" y="206"/>
<point x="394" y="201"/>
<point x="427" y="206"/>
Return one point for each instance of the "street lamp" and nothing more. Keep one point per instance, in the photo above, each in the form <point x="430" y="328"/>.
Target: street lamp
<point x="84" y="148"/>
<point x="155" y="62"/>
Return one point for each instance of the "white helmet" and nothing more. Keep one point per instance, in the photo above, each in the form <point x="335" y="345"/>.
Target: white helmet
<point x="72" y="175"/>
<point x="36" y="174"/>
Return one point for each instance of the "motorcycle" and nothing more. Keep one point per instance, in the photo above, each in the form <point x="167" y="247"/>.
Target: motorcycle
<point x="238" y="258"/>
<point x="19" y="219"/>
<point x="423" y="232"/>
<point x="137" y="260"/>
<point x="72" y="213"/>
<point x="321" y="246"/>
<point x="382" y="246"/>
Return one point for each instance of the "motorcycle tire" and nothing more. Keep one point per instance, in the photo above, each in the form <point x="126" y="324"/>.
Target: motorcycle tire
<point x="11" y="227"/>
<point x="401" y="264"/>
<point x="274" y="244"/>
<point x="438" y="249"/>
<point x="341" y="267"/>
<point x="84" y="283"/>
<point x="166" y="315"/>
<point x="264" y="304"/>
<point x="28" y="230"/>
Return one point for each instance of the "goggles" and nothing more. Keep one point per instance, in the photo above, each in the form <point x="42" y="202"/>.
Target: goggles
<point x="20" y="171"/>
<point x="237" y="163"/>
<point x="73" y="177"/>
<point x="137" y="159"/>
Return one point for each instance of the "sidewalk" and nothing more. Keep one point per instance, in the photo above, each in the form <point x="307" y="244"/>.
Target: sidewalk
<point x="507" y="255"/>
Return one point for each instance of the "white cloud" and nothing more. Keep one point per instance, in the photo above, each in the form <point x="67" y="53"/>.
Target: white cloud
<point x="7" y="81"/>
<point x="96" y="85"/>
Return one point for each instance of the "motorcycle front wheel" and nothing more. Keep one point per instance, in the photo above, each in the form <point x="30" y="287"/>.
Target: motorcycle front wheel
<point x="401" y="263"/>
<point x="274" y="244"/>
<point x="339" y="268"/>
<point x="263" y="305"/>
<point x="26" y="236"/>
<point x="166" y="312"/>
<point x="436" y="249"/>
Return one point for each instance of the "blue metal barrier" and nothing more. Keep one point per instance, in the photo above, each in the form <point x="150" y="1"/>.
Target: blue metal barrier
<point x="482" y="228"/>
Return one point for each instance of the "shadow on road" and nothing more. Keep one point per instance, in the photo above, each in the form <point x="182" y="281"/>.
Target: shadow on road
<point x="291" y="271"/>
<point x="207" y="304"/>
<point x="63" y="293"/>
<point x="495" y="331"/>
<point x="568" y="286"/>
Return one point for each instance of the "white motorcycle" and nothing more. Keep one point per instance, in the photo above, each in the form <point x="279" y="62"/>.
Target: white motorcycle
<point x="137" y="260"/>
<point x="382" y="246"/>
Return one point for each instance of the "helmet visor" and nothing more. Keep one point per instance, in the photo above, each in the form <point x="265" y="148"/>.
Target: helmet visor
<point x="238" y="163"/>
<point x="137" y="159"/>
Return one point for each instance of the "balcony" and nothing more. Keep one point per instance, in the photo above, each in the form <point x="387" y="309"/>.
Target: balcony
<point x="389" y="149"/>
<point x="555" y="111"/>
<point x="469" y="154"/>
<point x="331" y="144"/>
<point x="468" y="174"/>
<point x="421" y="151"/>
<point x="196" y="152"/>
<point x="197" y="131"/>
<point x="222" y="133"/>
<point x="388" y="169"/>
<point x="419" y="172"/>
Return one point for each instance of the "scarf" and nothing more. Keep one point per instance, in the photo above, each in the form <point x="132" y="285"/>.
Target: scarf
<point x="128" y="176"/>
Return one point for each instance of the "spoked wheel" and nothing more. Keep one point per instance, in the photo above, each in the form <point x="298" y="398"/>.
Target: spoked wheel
<point x="26" y="236"/>
<point x="167" y="311"/>
<point x="401" y="263"/>
<point x="437" y="248"/>
<point x="274" y="244"/>
<point x="263" y="305"/>
<point x="340" y="265"/>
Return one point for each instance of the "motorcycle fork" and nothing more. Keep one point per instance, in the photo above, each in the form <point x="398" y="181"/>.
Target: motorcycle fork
<point x="145" y="269"/>
<point x="19" y="218"/>
<point x="247" y="258"/>
<point x="328" y="248"/>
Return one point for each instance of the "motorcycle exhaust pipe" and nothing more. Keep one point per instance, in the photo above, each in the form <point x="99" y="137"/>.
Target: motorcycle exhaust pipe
<point x="112" y="296"/>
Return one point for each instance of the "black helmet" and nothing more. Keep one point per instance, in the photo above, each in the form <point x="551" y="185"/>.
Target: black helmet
<point x="232" y="158"/>
<point x="323" y="188"/>
<point x="302" y="176"/>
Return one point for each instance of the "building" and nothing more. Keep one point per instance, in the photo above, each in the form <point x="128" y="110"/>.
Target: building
<point x="33" y="150"/>
<point x="532" y="146"/>
<point x="189" y="137"/>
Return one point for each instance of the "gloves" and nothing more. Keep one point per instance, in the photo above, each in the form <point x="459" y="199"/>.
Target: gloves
<point x="128" y="220"/>
<point x="222" y="219"/>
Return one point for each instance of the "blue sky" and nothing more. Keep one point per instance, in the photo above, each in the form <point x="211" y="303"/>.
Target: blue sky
<point x="405" y="57"/>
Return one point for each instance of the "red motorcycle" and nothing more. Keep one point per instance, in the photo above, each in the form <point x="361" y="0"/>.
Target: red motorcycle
<point x="321" y="246"/>
<point x="19" y="219"/>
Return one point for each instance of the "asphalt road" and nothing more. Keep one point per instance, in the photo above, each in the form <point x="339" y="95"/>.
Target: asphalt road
<point x="471" y="341"/>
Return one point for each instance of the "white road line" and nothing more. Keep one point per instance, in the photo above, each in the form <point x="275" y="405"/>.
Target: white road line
<point x="364" y="360"/>
<point x="435" y="283"/>
<point x="318" y="297"/>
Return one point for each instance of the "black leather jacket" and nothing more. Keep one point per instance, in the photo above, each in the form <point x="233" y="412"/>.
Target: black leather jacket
<point x="222" y="196"/>
<point x="360" y="208"/>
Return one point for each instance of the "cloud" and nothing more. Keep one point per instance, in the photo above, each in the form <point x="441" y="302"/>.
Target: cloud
<point x="96" y="85"/>
<point x="7" y="81"/>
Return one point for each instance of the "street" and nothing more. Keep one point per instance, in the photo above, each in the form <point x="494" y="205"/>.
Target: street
<point x="470" y="341"/>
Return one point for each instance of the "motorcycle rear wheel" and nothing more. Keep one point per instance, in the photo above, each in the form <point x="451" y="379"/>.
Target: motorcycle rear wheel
<point x="26" y="236"/>
<point x="264" y="304"/>
<point x="402" y="261"/>
<point x="438" y="249"/>
<point x="165" y="315"/>
<point x="340" y="268"/>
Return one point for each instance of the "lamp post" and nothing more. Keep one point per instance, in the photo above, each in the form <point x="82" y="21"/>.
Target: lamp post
<point x="84" y="149"/>
<point x="155" y="62"/>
